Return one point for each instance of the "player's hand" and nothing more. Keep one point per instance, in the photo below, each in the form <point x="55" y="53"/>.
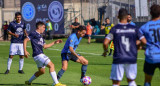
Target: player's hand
<point x="16" y="35"/>
<point x="58" y="41"/>
<point x="26" y="54"/>
<point x="81" y="59"/>
<point x="104" y="54"/>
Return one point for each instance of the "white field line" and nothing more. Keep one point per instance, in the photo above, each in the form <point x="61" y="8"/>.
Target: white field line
<point x="78" y="52"/>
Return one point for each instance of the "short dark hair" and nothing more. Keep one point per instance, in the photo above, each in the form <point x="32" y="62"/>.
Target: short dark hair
<point x="17" y="14"/>
<point x="122" y="13"/>
<point x="129" y="14"/>
<point x="155" y="11"/>
<point x="81" y="27"/>
<point x="107" y="18"/>
<point x="39" y="24"/>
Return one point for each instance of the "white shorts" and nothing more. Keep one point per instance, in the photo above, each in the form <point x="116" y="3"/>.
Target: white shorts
<point x="41" y="60"/>
<point x="16" y="49"/>
<point x="118" y="70"/>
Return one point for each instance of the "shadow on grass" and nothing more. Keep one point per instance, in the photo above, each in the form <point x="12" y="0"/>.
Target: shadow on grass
<point x="99" y="64"/>
<point x="36" y="84"/>
<point x="120" y="85"/>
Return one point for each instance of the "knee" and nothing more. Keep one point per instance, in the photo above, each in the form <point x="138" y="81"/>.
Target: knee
<point x="86" y="62"/>
<point x="21" y="57"/>
<point x="42" y="72"/>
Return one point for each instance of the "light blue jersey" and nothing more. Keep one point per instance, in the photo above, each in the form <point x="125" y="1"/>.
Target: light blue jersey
<point x="72" y="41"/>
<point x="151" y="31"/>
<point x="132" y="23"/>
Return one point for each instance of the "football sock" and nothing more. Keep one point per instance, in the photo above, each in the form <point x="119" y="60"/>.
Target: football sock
<point x="9" y="63"/>
<point x="110" y="52"/>
<point x="54" y="77"/>
<point x="60" y="73"/>
<point x="147" y="84"/>
<point x="21" y="62"/>
<point x="83" y="70"/>
<point x="132" y="83"/>
<point x="32" y="78"/>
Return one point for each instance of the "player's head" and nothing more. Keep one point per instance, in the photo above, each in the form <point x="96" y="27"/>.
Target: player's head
<point x="155" y="11"/>
<point x="40" y="26"/>
<point x="129" y="18"/>
<point x="81" y="31"/>
<point x="76" y="19"/>
<point x="88" y="23"/>
<point x="18" y="17"/>
<point x="107" y="20"/>
<point x="47" y="21"/>
<point x="122" y="14"/>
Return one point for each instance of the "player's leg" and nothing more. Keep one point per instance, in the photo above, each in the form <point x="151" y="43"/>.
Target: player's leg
<point x="21" y="58"/>
<point x="84" y="63"/>
<point x="53" y="74"/>
<point x="89" y="39"/>
<point x="37" y="74"/>
<point x="12" y="51"/>
<point x="117" y="73"/>
<point x="63" y="69"/>
<point x="131" y="73"/>
<point x="149" y="72"/>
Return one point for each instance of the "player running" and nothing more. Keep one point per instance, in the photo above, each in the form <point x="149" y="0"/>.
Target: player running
<point x="40" y="58"/>
<point x="151" y="31"/>
<point x="68" y="52"/>
<point x="17" y="30"/>
<point x="124" y="37"/>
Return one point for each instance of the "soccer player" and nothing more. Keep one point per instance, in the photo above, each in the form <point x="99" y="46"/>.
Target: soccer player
<point x="130" y="20"/>
<point x="17" y="30"/>
<point x="124" y="37"/>
<point x="40" y="58"/>
<point x="68" y="52"/>
<point x="151" y="31"/>
<point x="108" y="27"/>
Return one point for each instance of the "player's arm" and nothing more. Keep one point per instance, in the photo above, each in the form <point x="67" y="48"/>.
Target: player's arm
<point x="15" y="35"/>
<point x="45" y="46"/>
<point x="25" y="32"/>
<point x="143" y="40"/>
<point x="105" y="46"/>
<point x="26" y="53"/>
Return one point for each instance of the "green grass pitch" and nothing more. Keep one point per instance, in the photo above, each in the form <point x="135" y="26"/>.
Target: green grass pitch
<point x="99" y="68"/>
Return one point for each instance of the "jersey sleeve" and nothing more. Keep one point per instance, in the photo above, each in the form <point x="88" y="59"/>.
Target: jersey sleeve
<point x="139" y="34"/>
<point x="110" y="36"/>
<point x="72" y="41"/>
<point x="30" y="36"/>
<point x="9" y="27"/>
<point x="24" y="27"/>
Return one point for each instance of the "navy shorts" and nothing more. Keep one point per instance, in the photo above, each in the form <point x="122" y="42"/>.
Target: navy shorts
<point x="69" y="56"/>
<point x="150" y="68"/>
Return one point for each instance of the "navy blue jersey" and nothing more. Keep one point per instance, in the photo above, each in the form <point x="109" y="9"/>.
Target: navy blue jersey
<point x="124" y="37"/>
<point x="17" y="28"/>
<point x="37" y="43"/>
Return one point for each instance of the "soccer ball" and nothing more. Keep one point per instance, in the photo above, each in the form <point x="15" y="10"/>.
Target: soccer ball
<point x="86" y="80"/>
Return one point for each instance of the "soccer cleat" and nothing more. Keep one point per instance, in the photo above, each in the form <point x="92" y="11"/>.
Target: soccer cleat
<point x="81" y="80"/>
<point x="21" y="72"/>
<point x="7" y="71"/>
<point x="59" y="84"/>
<point x="28" y="83"/>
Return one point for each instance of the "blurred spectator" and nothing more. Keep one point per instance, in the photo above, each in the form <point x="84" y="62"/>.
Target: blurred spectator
<point x="96" y="29"/>
<point x="75" y="25"/>
<point x="89" y="32"/>
<point x="5" y="27"/>
<point x="129" y="19"/>
<point x="49" y="29"/>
